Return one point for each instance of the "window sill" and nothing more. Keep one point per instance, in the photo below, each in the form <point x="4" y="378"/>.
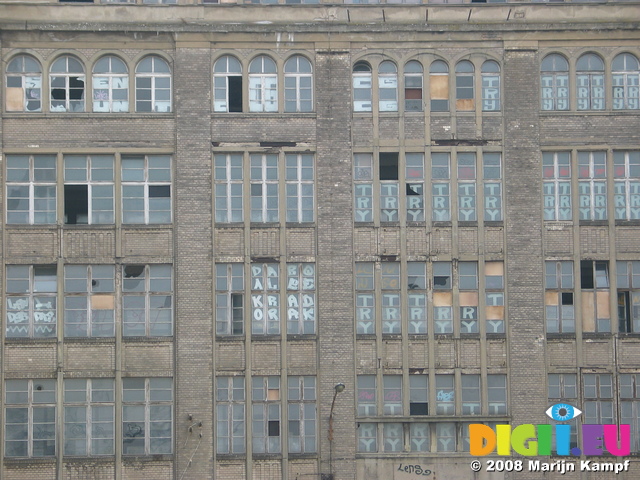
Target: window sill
<point x="9" y="461"/>
<point x="301" y="337"/>
<point x="623" y="335"/>
<point x="596" y="335"/>
<point x="265" y="338"/>
<point x="494" y="223"/>
<point x="253" y="115"/>
<point x="30" y="340"/>
<point x="627" y="223"/>
<point x="92" y="459"/>
<point x="168" y="339"/>
<point x="101" y="115"/>
<point x="230" y="338"/>
<point x="588" y="113"/>
<point x="166" y="457"/>
<point x="561" y="336"/>
<point x="593" y="223"/>
<point x="91" y="340"/>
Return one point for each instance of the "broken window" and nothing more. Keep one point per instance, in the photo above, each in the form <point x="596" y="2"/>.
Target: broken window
<point x="31" y="301"/>
<point x="301" y="298"/>
<point x="442" y="298"/>
<point x="492" y="173"/>
<point x="24" y="85"/>
<point x="153" y="85"/>
<point x="363" y="177"/>
<point x="559" y="303"/>
<point x="263" y="85"/>
<point x="494" y="296"/>
<point x="594" y="282"/>
<point x="229" y="299"/>
<point x="366" y="395"/>
<point x="228" y="177"/>
<point x="628" y="275"/>
<point x="417" y="297"/>
<point x="626" y="82"/>
<point x="89" y="301"/>
<point x="418" y="395"/>
<point x="230" y="415"/>
<point x="265" y="299"/>
<point x="387" y="87"/>
<point x="470" y="394"/>
<point x="414" y="187"/>
<point x="110" y="85"/>
<point x="468" y="296"/>
<point x="389" y="186"/>
<point x="299" y="187"/>
<point x="67" y="83"/>
<point x="298" y="85"/>
<point x="31" y="189"/>
<point x="590" y="82"/>
<point x="146" y="189"/>
<point x="413" y="85"/>
<point x="490" y="86"/>
<point x="147" y="300"/>
<point x="465" y="86"/>
<point x="265" y="414"/>
<point x="362" y="84"/>
<point x="439" y="86"/>
<point x="440" y="187"/>
<point x="467" y="187"/>
<point x="301" y="410"/>
<point x="88" y="189"/>
<point x="592" y="185"/>
<point x="30" y="418"/>
<point x="554" y="81"/>
<point x="227" y="85"/>
<point x="626" y="198"/>
<point x="147" y="418"/>
<point x="556" y="174"/>
<point x="264" y="187"/>
<point x="89" y="414"/>
<point x="365" y="298"/>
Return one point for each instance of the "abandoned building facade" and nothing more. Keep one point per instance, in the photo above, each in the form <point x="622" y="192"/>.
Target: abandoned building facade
<point x="313" y="241"/>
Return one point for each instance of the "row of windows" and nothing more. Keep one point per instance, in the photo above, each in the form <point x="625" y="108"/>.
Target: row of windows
<point x="457" y="298"/>
<point x="109" y="88"/>
<point x="90" y="299"/>
<point x="595" y="170"/>
<point x="89" y="189"/>
<point x="594" y="296"/>
<point x="381" y="86"/>
<point x="591" y="82"/>
<point x="88" y="417"/>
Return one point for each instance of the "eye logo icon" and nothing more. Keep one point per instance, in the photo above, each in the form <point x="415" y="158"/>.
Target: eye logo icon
<point x="562" y="412"/>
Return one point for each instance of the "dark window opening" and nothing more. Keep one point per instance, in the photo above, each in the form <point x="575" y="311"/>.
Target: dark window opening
<point x="389" y="166"/>
<point x="274" y="428"/>
<point x="624" y="312"/>
<point x="414" y="189"/>
<point x="567" y="298"/>
<point x="159" y="191"/>
<point x="294" y="427"/>
<point x="586" y="274"/>
<point x="76" y="204"/>
<point x="418" y="408"/>
<point x="237" y="313"/>
<point x="442" y="282"/>
<point x="133" y="271"/>
<point x="235" y="94"/>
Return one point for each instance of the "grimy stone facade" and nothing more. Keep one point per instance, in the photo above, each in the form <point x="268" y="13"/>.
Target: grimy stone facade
<point x="521" y="299"/>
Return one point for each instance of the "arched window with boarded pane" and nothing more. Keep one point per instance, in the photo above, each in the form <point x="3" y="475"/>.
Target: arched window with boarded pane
<point x="554" y="82"/>
<point x="298" y="85"/>
<point x="227" y="85"/>
<point x="490" y="86"/>
<point x="153" y="85"/>
<point x="24" y="85"/>
<point x="413" y="85"/>
<point x="626" y="82"/>
<point x="465" y="94"/>
<point x="590" y="82"/>
<point x="110" y="85"/>
<point x="362" y="87"/>
<point x="67" y="83"/>
<point x="387" y="87"/>
<point x="439" y="86"/>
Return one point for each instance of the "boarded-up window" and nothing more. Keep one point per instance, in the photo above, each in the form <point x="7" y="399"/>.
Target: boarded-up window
<point x="439" y="86"/>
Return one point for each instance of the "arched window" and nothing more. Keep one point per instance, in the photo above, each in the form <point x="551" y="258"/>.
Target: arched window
<point x="464" y="86"/>
<point x="263" y="85"/>
<point x="554" y="82"/>
<point x="298" y="85"/>
<point x="387" y="87"/>
<point x="490" y="86"/>
<point x="110" y="85"/>
<point x="24" y="85"/>
<point x="590" y="82"/>
<point x="66" y="81"/>
<point x="153" y="85"/>
<point x="626" y="82"/>
<point x="413" y="83"/>
<point x="362" y="87"/>
<point x="227" y="85"/>
<point x="439" y="86"/>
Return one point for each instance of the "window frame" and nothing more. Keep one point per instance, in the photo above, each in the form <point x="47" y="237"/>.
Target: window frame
<point x="33" y="185"/>
<point x="157" y="177"/>
<point x="154" y="76"/>
<point x="30" y="83"/>
<point x="110" y="82"/>
<point x="299" y="77"/>
<point x="40" y="297"/>
<point x="66" y="76"/>
<point x="147" y="293"/>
